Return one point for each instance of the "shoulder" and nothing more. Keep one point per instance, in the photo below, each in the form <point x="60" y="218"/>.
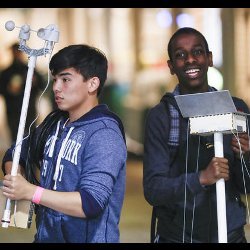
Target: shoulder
<point x="162" y="108"/>
<point x="240" y="104"/>
<point x="158" y="117"/>
<point x="108" y="122"/>
<point x="106" y="138"/>
<point x="158" y="110"/>
<point x="105" y="126"/>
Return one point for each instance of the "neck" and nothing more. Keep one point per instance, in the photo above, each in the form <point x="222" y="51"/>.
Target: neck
<point x="199" y="89"/>
<point x="75" y="115"/>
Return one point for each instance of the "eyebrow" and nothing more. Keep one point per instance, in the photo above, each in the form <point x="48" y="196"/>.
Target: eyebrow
<point x="65" y="74"/>
<point x="195" y="46"/>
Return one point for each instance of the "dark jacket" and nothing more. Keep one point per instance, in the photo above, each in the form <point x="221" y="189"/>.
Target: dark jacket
<point x="180" y="202"/>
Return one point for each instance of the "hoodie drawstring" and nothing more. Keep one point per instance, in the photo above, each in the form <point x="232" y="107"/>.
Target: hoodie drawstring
<point x="55" y="177"/>
<point x="52" y="146"/>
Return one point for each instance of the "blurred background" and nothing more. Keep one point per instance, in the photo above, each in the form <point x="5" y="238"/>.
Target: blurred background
<point x="135" y="43"/>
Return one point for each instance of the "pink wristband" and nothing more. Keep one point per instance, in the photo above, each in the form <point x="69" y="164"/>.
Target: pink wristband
<point x="37" y="195"/>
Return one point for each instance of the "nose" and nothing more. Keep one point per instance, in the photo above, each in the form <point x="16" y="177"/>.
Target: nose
<point x="190" y="58"/>
<point x="56" y="86"/>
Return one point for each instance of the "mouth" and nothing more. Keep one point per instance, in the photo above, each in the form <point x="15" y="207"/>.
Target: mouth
<point x="192" y="73"/>
<point x="58" y="98"/>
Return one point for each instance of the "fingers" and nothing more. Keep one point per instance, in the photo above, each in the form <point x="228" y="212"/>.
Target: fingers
<point x="7" y="186"/>
<point x="217" y="168"/>
<point x="7" y="177"/>
<point x="241" y="139"/>
<point x="15" y="187"/>
<point x="9" y="181"/>
<point x="219" y="160"/>
<point x="220" y="168"/>
<point x="8" y="193"/>
<point x="7" y="190"/>
<point x="10" y="186"/>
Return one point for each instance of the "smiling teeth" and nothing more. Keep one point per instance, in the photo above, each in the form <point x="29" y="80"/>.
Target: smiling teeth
<point x="192" y="71"/>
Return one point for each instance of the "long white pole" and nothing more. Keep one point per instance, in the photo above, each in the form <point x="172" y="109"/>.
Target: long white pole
<point x="23" y="116"/>
<point x="220" y="192"/>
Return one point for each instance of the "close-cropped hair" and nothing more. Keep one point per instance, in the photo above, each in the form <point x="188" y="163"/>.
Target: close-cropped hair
<point x="86" y="60"/>
<point x="188" y="31"/>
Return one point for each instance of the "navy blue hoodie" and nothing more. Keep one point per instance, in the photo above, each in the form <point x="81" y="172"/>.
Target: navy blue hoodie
<point x="87" y="156"/>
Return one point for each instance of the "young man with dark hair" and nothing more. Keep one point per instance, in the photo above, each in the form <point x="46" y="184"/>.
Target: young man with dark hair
<point x="80" y="150"/>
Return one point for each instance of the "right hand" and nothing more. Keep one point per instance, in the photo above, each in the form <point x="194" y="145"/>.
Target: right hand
<point x="17" y="187"/>
<point x="217" y="168"/>
<point x="8" y="167"/>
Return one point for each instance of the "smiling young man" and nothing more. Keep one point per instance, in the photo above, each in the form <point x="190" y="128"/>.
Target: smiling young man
<point x="179" y="170"/>
<point x="80" y="150"/>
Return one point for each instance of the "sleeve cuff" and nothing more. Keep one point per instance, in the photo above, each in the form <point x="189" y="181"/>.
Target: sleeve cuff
<point x="194" y="183"/>
<point x="90" y="206"/>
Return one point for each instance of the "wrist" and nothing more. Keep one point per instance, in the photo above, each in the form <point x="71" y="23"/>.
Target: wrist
<point x="36" y="198"/>
<point x="201" y="179"/>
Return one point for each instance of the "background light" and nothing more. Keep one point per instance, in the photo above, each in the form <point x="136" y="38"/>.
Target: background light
<point x="164" y="18"/>
<point x="215" y="78"/>
<point x="184" y="20"/>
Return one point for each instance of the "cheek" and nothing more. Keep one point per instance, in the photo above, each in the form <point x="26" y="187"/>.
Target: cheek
<point x="176" y="69"/>
<point x="76" y="95"/>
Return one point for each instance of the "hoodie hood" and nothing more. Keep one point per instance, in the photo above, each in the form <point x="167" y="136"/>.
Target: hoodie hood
<point x="98" y="112"/>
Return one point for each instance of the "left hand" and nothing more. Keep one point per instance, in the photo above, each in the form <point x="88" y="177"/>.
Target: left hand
<point x="244" y="142"/>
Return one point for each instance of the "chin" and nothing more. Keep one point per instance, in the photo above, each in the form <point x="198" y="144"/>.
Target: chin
<point x="61" y="108"/>
<point x="195" y="85"/>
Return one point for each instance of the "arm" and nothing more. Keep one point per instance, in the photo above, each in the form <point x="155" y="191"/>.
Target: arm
<point x="18" y="188"/>
<point x="241" y="152"/>
<point x="104" y="170"/>
<point x="98" y="178"/>
<point x="8" y="156"/>
<point x="243" y="138"/>
<point x="161" y="183"/>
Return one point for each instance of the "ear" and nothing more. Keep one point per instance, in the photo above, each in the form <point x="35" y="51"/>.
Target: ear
<point x="170" y="65"/>
<point x="93" y="84"/>
<point x="210" y="59"/>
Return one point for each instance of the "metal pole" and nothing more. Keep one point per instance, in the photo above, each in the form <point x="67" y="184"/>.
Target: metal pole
<point x="220" y="192"/>
<point x="23" y="116"/>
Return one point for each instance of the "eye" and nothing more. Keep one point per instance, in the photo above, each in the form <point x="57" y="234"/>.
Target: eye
<point x="65" y="80"/>
<point x="197" y="52"/>
<point x="180" y="55"/>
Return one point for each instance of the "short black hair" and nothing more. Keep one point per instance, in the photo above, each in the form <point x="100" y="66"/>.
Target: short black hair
<point x="186" y="30"/>
<point x="15" y="46"/>
<point x="87" y="60"/>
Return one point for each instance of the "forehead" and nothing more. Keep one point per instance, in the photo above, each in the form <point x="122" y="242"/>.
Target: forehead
<point x="67" y="71"/>
<point x="185" y="41"/>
